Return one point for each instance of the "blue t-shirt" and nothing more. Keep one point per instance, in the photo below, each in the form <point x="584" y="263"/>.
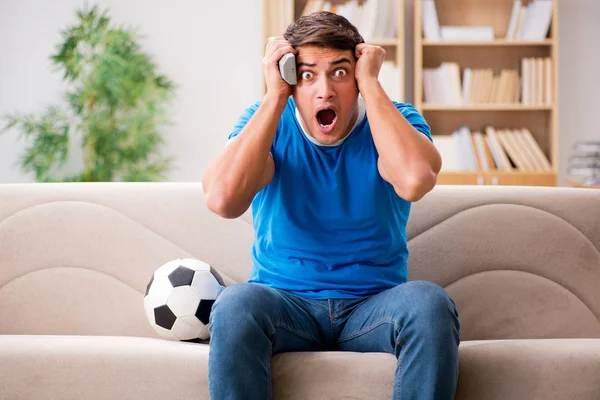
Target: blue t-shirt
<point x="328" y="225"/>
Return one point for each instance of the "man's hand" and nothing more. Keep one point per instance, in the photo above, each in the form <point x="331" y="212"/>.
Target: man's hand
<point x="370" y="59"/>
<point x="407" y="158"/>
<point x="277" y="47"/>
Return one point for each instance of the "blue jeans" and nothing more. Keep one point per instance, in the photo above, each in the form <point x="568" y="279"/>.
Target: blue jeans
<point x="416" y="321"/>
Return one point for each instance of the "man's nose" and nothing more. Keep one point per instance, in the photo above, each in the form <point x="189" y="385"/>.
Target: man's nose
<point x="325" y="89"/>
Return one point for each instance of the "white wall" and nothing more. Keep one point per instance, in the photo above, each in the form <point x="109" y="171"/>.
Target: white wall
<point x="579" y="79"/>
<point x="212" y="49"/>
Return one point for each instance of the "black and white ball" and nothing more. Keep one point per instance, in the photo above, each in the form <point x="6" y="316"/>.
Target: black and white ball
<point x="179" y="299"/>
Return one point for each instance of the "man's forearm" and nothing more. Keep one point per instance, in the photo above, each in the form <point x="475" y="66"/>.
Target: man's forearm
<point x="410" y="162"/>
<point x="235" y="176"/>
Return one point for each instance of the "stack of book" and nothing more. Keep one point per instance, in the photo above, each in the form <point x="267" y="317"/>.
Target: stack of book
<point x="443" y="85"/>
<point x="584" y="163"/>
<point x="536" y="82"/>
<point x="493" y="149"/>
<point x="374" y="19"/>
<point x="529" y="22"/>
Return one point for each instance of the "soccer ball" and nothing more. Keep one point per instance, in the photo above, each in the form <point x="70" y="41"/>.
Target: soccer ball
<point x="179" y="298"/>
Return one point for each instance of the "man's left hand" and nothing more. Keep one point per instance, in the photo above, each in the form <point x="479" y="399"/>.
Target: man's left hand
<point x="370" y="59"/>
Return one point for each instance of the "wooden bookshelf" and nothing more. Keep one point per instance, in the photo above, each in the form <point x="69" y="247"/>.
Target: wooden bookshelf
<point x="516" y="178"/>
<point x="278" y="14"/>
<point x="495" y="43"/>
<point x="497" y="54"/>
<point x="487" y="107"/>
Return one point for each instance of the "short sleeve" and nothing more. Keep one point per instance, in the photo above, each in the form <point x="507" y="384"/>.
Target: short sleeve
<point x="415" y="118"/>
<point x="243" y="120"/>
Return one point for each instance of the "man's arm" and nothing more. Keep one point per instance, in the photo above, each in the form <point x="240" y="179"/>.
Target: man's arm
<point x="246" y="165"/>
<point x="408" y="160"/>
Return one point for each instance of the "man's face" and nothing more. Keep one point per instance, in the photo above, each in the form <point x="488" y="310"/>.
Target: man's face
<point x="326" y="93"/>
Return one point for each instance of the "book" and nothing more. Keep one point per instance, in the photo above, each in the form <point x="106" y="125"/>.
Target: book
<point x="538" y="21"/>
<point x="431" y="24"/>
<point x="514" y="20"/>
<point x="447" y="146"/>
<point x="585" y="171"/>
<point x="587" y="146"/>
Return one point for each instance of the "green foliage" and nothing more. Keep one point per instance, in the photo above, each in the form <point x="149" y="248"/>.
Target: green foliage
<point x="116" y="102"/>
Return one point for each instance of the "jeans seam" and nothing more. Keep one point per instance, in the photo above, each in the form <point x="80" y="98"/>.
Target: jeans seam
<point x="399" y="383"/>
<point x="269" y="370"/>
<point x="294" y="332"/>
<point x="330" y="315"/>
<point x="369" y="329"/>
<point x="400" y="366"/>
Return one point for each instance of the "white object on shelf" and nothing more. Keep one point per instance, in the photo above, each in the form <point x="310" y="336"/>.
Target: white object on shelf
<point x="467" y="33"/>
<point x="431" y="24"/>
<point x="514" y="19"/>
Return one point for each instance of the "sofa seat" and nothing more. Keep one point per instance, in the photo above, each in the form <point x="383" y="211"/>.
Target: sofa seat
<point x="36" y="367"/>
<point x="111" y="367"/>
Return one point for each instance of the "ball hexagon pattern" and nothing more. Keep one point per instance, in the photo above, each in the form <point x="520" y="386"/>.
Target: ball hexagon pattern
<point x="179" y="299"/>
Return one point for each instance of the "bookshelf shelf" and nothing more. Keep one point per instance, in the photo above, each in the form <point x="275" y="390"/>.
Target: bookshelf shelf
<point x="459" y="86"/>
<point x="495" y="43"/>
<point x="487" y="107"/>
<point x="495" y="177"/>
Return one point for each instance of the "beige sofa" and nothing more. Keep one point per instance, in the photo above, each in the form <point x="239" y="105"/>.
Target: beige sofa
<point x="522" y="264"/>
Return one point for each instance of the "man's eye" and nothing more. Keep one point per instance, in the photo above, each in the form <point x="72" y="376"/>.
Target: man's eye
<point x="307" y="75"/>
<point x="339" y="72"/>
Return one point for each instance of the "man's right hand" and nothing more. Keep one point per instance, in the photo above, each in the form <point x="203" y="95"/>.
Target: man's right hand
<point x="277" y="47"/>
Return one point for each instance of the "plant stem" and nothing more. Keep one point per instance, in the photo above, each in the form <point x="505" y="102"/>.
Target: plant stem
<point x="88" y="150"/>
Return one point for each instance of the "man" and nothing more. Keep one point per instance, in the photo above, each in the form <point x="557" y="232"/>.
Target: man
<point x="330" y="176"/>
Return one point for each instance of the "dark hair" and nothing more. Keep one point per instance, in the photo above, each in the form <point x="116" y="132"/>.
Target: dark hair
<point x="323" y="29"/>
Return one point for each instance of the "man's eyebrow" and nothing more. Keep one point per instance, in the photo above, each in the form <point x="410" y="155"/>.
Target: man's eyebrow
<point x="340" y="61"/>
<point x="336" y="62"/>
<point x="303" y="64"/>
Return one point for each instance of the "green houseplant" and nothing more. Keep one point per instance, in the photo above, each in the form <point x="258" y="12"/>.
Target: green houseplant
<point x="115" y="105"/>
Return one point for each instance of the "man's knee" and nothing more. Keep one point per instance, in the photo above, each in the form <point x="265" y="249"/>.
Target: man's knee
<point x="239" y="304"/>
<point x="431" y="303"/>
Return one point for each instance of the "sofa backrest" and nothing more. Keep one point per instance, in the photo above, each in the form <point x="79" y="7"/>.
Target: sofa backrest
<point x="520" y="262"/>
<point x="76" y="258"/>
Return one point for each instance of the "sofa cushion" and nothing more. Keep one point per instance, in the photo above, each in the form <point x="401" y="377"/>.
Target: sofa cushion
<point x="103" y="367"/>
<point x="535" y="369"/>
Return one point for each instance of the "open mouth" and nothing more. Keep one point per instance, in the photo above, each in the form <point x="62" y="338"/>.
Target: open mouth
<point x="326" y="119"/>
